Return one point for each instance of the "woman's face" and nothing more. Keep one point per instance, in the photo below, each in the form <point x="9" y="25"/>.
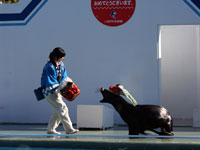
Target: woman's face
<point x="61" y="59"/>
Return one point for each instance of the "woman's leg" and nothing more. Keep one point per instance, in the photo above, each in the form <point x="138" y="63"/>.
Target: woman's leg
<point x="53" y="123"/>
<point x="61" y="110"/>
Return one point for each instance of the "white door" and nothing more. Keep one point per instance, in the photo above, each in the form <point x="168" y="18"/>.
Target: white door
<point x="179" y="54"/>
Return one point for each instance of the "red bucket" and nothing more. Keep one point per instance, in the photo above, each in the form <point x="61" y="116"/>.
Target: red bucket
<point x="70" y="94"/>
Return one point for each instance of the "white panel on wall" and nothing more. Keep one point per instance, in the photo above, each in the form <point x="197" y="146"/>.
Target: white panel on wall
<point x="179" y="49"/>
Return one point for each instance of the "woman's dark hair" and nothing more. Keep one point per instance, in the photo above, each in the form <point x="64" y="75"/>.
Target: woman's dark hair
<point x="56" y="54"/>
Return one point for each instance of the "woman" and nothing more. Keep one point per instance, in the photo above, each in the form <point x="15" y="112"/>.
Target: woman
<point x="54" y="73"/>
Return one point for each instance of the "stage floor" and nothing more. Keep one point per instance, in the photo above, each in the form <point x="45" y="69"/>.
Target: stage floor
<point x="32" y="136"/>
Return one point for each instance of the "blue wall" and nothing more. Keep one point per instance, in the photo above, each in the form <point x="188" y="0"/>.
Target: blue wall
<point x="97" y="55"/>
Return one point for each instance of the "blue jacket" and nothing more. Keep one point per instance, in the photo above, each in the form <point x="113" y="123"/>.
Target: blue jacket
<point x="49" y="77"/>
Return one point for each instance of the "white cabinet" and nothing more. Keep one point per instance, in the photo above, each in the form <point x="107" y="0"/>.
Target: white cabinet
<point x="94" y="116"/>
<point x="196" y="117"/>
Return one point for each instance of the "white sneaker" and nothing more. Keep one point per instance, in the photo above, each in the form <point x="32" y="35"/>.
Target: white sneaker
<point x="53" y="132"/>
<point x="73" y="131"/>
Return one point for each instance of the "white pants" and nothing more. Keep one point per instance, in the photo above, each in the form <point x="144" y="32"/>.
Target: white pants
<point x="60" y="113"/>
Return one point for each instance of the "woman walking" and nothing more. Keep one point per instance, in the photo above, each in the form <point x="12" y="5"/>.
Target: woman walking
<point x="54" y="73"/>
